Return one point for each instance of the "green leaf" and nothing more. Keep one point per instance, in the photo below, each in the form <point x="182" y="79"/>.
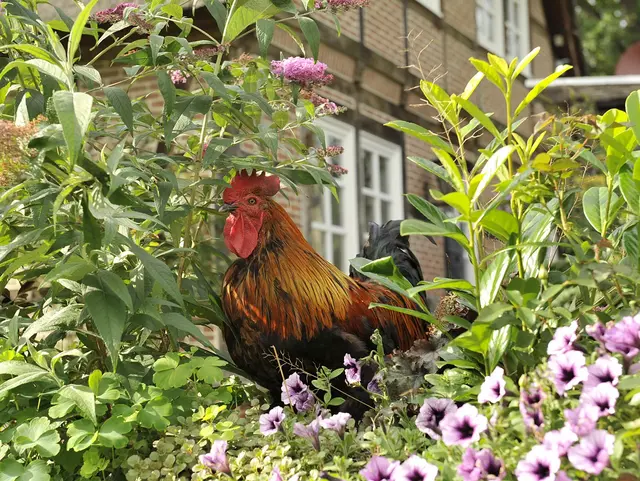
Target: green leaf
<point x="491" y="168"/>
<point x="632" y="106"/>
<point x="421" y="133"/>
<point x="114" y="284"/>
<point x="11" y="384"/>
<point x="20" y="240"/>
<point x="109" y="317"/>
<point x="500" y="223"/>
<point x="594" y="204"/>
<point x="433" y="168"/>
<point x="490" y="72"/>
<point x="526" y="61"/>
<point x="81" y="434"/>
<point x="459" y="201"/>
<point x="10" y="470"/>
<point x="155" y="43"/>
<point x="208" y="370"/>
<point x="311" y="33"/>
<point x="154" y="414"/>
<point x="418" y="227"/>
<point x="427" y="209"/>
<point x="491" y="280"/>
<point x="16" y="368"/>
<point x="540" y="86"/>
<point x="630" y="189"/>
<point x="181" y="323"/>
<point x="411" y="312"/>
<point x="42" y="66"/>
<point x="628" y="383"/>
<point x="264" y="33"/>
<point x="294" y="36"/>
<point x="472" y="85"/>
<point x="112" y="433"/>
<point x="499" y="342"/>
<point x="121" y="103"/>
<point x="159" y="271"/>
<point x="38" y="434"/>
<point x="35" y="51"/>
<point x="83" y="397"/>
<point x="74" y="269"/>
<point x="74" y="113"/>
<point x="479" y="115"/>
<point x="88" y="72"/>
<point x="67" y="316"/>
<point x="169" y="373"/>
<point x="184" y="106"/>
<point x="94" y="380"/>
<point x="246" y="13"/>
<point x="451" y="168"/>
<point x="77" y="30"/>
<point x="218" y="12"/>
<point x="440" y="100"/>
<point x="216" y="84"/>
<point x="449" y="284"/>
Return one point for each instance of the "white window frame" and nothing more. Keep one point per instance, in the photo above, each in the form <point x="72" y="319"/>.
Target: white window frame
<point x="383" y="148"/>
<point x="434" y="5"/>
<point x="521" y="26"/>
<point x="496" y="9"/>
<point x="348" y="199"/>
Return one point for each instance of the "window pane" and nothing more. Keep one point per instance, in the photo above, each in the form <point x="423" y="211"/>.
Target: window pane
<point x="338" y="249"/>
<point x="385" y="180"/>
<point x="315" y="204"/>
<point x="336" y="211"/>
<point x="370" y="209"/>
<point x="367" y="167"/>
<point x="317" y="241"/>
<point x="386" y="211"/>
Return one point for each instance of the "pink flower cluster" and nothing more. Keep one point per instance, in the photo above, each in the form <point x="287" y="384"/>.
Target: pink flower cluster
<point x="113" y="15"/>
<point x="177" y="77"/>
<point x="341" y="4"/>
<point x="323" y="105"/>
<point x="303" y="71"/>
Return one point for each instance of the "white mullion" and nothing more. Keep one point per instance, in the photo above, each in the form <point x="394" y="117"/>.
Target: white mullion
<point x="377" y="207"/>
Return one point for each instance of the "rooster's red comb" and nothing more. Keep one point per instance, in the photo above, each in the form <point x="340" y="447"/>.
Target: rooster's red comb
<point x="244" y="183"/>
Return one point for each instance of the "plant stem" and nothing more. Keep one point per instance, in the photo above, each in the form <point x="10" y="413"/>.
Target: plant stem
<point x="114" y="44"/>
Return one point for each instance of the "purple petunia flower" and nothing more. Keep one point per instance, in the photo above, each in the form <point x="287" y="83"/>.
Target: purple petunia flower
<point x="493" y="387"/>
<point x="270" y="422"/>
<point x="276" y="475"/>
<point x="568" y="369"/>
<point x="624" y="337"/>
<point x="606" y="369"/>
<point x="415" y="469"/>
<point x="374" y="385"/>
<point x="337" y="422"/>
<point x="532" y="396"/>
<point x="301" y="70"/>
<point x="217" y="460"/>
<point x="379" y="468"/>
<point x="597" y="331"/>
<point x="297" y="393"/>
<point x="604" y="397"/>
<point x="432" y="413"/>
<point x="530" y="407"/>
<point x="563" y="339"/>
<point x="481" y="465"/>
<point x="540" y="464"/>
<point x="560" y="440"/>
<point x="583" y="419"/>
<point x="463" y="426"/>
<point x="311" y="432"/>
<point x="634" y="368"/>
<point x="562" y="476"/>
<point x="592" y="454"/>
<point x="352" y="369"/>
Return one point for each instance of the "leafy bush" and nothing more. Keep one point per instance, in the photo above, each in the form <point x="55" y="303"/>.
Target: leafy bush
<point x="98" y="380"/>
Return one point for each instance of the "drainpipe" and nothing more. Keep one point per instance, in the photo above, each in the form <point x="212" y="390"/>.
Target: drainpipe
<point x="362" y="221"/>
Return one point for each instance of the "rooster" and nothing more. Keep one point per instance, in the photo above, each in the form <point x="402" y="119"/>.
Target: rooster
<point x="281" y="294"/>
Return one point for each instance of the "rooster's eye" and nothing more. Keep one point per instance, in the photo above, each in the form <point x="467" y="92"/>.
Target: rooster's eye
<point x="252" y="201"/>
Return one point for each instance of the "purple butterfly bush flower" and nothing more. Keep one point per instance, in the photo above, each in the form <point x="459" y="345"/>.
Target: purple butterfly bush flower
<point x="352" y="369"/>
<point x="606" y="369"/>
<point x="493" y="387"/>
<point x="568" y="370"/>
<point x="583" y="419"/>
<point x="297" y="393"/>
<point x="270" y="422"/>
<point x="604" y="397"/>
<point x="592" y="454"/>
<point x="177" y="77"/>
<point x="301" y="70"/>
<point x="540" y="464"/>
<point x="217" y="460"/>
<point x="481" y="465"/>
<point x="379" y="468"/>
<point x="415" y="469"/>
<point x="337" y="422"/>
<point x="560" y="440"/>
<point x="310" y="432"/>
<point x="335" y="5"/>
<point x="432" y="413"/>
<point x="624" y="337"/>
<point x="463" y="426"/>
<point x="563" y="339"/>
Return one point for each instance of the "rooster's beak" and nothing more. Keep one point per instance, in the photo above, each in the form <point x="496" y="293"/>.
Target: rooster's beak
<point x="228" y="208"/>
